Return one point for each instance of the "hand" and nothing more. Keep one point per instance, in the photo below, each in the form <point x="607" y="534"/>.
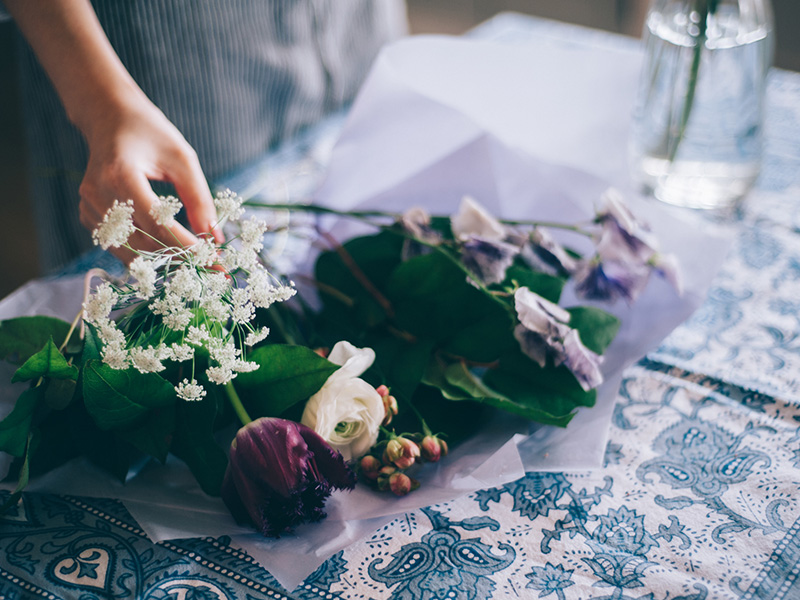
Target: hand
<point x="130" y="146"/>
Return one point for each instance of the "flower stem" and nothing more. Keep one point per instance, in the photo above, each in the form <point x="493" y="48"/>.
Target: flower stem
<point x="236" y="403"/>
<point x="71" y="330"/>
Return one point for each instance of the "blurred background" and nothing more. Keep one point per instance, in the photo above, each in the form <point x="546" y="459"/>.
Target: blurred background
<point x="18" y="260"/>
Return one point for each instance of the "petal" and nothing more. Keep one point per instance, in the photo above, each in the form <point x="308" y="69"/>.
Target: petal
<point x="488" y="259"/>
<point x="539" y="314"/>
<point x="354" y="361"/>
<point x="330" y="463"/>
<point x="583" y="363"/>
<point x="473" y="220"/>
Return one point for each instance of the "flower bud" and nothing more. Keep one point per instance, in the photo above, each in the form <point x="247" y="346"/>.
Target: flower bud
<point x="393" y="451"/>
<point x="433" y="448"/>
<point x="370" y="467"/>
<point x="410" y="453"/>
<point x="389" y="404"/>
<point x="384" y="474"/>
<point x="400" y="484"/>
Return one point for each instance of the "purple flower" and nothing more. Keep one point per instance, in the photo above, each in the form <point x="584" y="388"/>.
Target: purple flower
<point x="417" y="223"/>
<point x="611" y="280"/>
<point x="543" y="332"/>
<point x="547" y="255"/>
<point x="623" y="237"/>
<point x="280" y="474"/>
<point x="488" y="260"/>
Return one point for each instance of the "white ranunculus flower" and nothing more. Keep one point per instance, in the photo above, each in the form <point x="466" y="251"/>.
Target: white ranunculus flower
<point x="347" y="411"/>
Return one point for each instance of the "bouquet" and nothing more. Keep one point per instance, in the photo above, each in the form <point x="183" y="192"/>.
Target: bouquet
<point x="417" y="331"/>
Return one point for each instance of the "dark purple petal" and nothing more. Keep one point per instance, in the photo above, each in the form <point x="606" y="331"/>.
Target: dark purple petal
<point x="488" y="260"/>
<point x="611" y="280"/>
<point x="545" y="254"/>
<point x="280" y="474"/>
<point x="537" y="347"/>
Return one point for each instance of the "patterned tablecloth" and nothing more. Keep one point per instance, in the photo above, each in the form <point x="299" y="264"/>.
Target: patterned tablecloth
<point x="698" y="497"/>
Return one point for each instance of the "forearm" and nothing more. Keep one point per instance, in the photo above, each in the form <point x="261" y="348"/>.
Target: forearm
<point x="74" y="51"/>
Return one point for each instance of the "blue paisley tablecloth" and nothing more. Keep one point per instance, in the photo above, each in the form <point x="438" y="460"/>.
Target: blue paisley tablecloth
<point x="698" y="497"/>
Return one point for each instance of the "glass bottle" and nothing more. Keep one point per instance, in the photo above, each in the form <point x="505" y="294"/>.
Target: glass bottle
<point x="698" y="122"/>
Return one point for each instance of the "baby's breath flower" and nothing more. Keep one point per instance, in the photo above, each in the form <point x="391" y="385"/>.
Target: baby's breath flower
<point x="196" y="336"/>
<point x="215" y="309"/>
<point x="252" y="231"/>
<point x="256" y="336"/>
<point x="164" y="209"/>
<point x="100" y="304"/>
<point x="110" y="335"/>
<point x="115" y="357"/>
<point x="146" y="360"/>
<point x="145" y="274"/>
<point x="242" y="310"/>
<point x="180" y="352"/>
<point x="245" y="366"/>
<point x="117" y="226"/>
<point x="186" y="284"/>
<point x="229" y="206"/>
<point x="215" y="285"/>
<point x="191" y="391"/>
<point x="262" y="291"/>
<point x="173" y="310"/>
<point x="220" y="375"/>
<point x="205" y="253"/>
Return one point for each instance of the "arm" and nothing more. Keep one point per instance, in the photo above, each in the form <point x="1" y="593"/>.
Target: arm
<point x="130" y="140"/>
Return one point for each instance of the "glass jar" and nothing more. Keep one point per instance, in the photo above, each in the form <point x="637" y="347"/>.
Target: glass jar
<point x="698" y="121"/>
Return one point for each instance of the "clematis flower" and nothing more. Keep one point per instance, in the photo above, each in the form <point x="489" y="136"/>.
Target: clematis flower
<point x="473" y="221"/>
<point x="280" y="474"/>
<point x="488" y="260"/>
<point x="347" y="411"/>
<point x="544" y="332"/>
<point x="545" y="254"/>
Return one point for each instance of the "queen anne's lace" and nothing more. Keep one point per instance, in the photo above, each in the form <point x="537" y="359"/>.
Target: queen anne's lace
<point x="200" y="297"/>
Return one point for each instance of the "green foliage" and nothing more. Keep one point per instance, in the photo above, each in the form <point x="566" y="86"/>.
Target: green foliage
<point x="287" y="375"/>
<point x="23" y="337"/>
<point x="47" y="362"/>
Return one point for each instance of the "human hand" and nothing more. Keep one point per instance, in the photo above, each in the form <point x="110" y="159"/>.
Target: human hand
<point x="129" y="146"/>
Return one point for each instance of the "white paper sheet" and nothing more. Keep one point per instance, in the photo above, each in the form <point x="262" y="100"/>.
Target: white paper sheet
<point x="531" y="131"/>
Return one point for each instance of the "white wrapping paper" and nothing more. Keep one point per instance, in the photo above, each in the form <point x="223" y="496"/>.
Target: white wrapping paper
<point x="531" y="132"/>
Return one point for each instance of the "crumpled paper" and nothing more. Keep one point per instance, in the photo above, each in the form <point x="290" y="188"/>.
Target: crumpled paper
<point x="437" y="119"/>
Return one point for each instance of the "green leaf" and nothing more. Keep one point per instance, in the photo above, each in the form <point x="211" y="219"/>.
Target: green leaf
<point x="22" y="480"/>
<point x="287" y="375"/>
<point x="121" y="398"/>
<point x="400" y="364"/>
<point x="433" y="299"/>
<point x="16" y="427"/>
<point x="597" y="328"/>
<point x="23" y="337"/>
<point x="154" y="435"/>
<point x="194" y="441"/>
<point x="547" y="395"/>
<point x="547" y="286"/>
<point x="376" y="256"/>
<point x="47" y="362"/>
<point x="59" y="393"/>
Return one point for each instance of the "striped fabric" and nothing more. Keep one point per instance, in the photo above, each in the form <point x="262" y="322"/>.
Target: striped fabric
<point x="235" y="77"/>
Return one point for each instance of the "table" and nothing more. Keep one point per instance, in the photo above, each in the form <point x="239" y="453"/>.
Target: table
<point x="698" y="497"/>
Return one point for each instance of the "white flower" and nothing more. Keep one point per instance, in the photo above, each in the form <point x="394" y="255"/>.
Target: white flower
<point x="191" y="391"/>
<point x="242" y="310"/>
<point x="538" y="314"/>
<point x="145" y="274"/>
<point x="347" y="411"/>
<point x="196" y="336"/>
<point x="205" y="253"/>
<point x="229" y="206"/>
<point x="186" y="284"/>
<point x="100" y="304"/>
<point x="117" y="226"/>
<point x="115" y="357"/>
<point x="472" y="220"/>
<point x="215" y="309"/>
<point x="252" y="231"/>
<point x="215" y="285"/>
<point x="256" y="336"/>
<point x="220" y="375"/>
<point x="263" y="293"/>
<point x="180" y="352"/>
<point x="164" y="209"/>
<point x="146" y="360"/>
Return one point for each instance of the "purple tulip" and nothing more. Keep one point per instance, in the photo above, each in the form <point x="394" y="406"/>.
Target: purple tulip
<point x="280" y="474"/>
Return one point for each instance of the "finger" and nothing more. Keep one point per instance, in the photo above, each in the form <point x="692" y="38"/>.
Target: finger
<point x="190" y="184"/>
<point x="143" y="198"/>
